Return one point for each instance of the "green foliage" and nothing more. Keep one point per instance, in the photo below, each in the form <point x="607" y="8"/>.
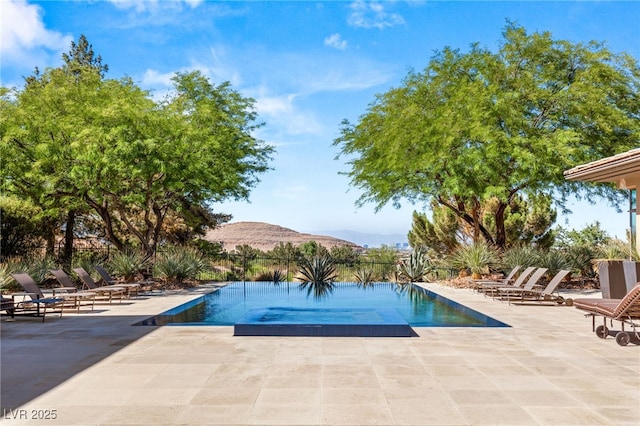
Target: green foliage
<point x="478" y="258"/>
<point x="554" y="261"/>
<point x="177" y="264"/>
<point x="79" y="142"/>
<point x="22" y="227"/>
<point x="523" y="256"/>
<point x="285" y="251"/>
<point x="480" y="125"/>
<point x="209" y="249"/>
<point x="127" y="263"/>
<point x="317" y="275"/>
<point x="9" y="266"/>
<point x="344" y="254"/>
<point x="312" y="249"/>
<point x="386" y="257"/>
<point x="416" y="266"/>
<point x="617" y="249"/>
<point x="440" y="236"/>
<point x="364" y="276"/>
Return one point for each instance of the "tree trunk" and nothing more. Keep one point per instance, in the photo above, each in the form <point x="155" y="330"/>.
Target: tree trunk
<point x="67" y="254"/>
<point x="501" y="235"/>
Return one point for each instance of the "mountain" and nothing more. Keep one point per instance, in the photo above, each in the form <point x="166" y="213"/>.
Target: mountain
<point x="265" y="236"/>
<point x="370" y="239"/>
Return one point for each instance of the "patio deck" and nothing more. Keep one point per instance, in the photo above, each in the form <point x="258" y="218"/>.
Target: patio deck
<point x="95" y="368"/>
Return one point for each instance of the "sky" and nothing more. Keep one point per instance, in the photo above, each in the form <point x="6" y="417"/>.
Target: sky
<point x="308" y="65"/>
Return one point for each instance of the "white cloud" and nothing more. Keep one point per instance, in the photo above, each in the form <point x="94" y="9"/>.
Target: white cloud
<point x="281" y="113"/>
<point x="335" y="41"/>
<point x="372" y="14"/>
<point x="23" y="36"/>
<point x="152" y="78"/>
<point x="153" y="5"/>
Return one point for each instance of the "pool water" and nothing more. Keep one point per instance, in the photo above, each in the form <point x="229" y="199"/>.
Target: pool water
<point x="344" y="303"/>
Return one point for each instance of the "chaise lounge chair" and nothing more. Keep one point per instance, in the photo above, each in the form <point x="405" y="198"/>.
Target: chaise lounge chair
<point x="108" y="292"/>
<point x="505" y="280"/>
<point x="37" y="304"/>
<point x="132" y="288"/>
<point x="69" y="291"/>
<point x="625" y="310"/>
<point x="542" y="295"/>
<point x="508" y="293"/>
<point x="492" y="287"/>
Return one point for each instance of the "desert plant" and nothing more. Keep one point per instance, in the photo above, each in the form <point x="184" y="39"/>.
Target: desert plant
<point x="581" y="259"/>
<point x="520" y="256"/>
<point x="179" y="264"/>
<point x="616" y="249"/>
<point x="364" y="276"/>
<point x="38" y="268"/>
<point x="127" y="264"/>
<point x="416" y="266"/>
<point x="317" y="275"/>
<point x="478" y="258"/>
<point x="554" y="261"/>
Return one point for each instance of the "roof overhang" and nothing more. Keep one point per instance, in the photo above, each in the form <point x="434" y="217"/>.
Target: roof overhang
<point x="622" y="169"/>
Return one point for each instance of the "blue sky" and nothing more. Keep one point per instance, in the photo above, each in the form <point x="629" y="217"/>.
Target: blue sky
<point x="308" y="65"/>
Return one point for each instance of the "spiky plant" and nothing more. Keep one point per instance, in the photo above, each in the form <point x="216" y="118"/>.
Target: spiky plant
<point x="127" y="264"/>
<point x="177" y="264"/>
<point x="317" y="275"/>
<point x="364" y="276"/>
<point x="38" y="269"/>
<point x="554" y="261"/>
<point x="478" y="258"/>
<point x="520" y="256"/>
<point x="416" y="266"/>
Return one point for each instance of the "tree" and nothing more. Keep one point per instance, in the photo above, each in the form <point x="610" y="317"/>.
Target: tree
<point x="480" y="125"/>
<point x="107" y="147"/>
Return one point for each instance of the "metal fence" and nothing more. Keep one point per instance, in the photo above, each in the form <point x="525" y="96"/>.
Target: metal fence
<point x="262" y="268"/>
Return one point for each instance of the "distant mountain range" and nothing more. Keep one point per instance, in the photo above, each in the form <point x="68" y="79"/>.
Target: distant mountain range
<point x="265" y="236"/>
<point x="365" y="239"/>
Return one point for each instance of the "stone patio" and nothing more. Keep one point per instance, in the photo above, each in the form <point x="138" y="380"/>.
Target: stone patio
<point x="95" y="368"/>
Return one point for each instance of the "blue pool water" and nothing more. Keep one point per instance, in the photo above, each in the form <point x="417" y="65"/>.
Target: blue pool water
<point x="346" y="303"/>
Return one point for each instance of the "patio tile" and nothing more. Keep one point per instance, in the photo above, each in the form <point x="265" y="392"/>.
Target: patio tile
<point x="548" y="372"/>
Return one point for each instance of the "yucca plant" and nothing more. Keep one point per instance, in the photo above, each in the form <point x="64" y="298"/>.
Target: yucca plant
<point x="478" y="258"/>
<point x="416" y="266"/>
<point x="127" y="264"/>
<point x="317" y="275"/>
<point x="177" y="264"/>
<point x="8" y="267"/>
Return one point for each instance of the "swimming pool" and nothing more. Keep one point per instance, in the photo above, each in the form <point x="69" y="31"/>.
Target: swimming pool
<point x="345" y="304"/>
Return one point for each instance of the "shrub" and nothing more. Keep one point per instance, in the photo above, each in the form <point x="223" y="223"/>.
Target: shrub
<point x="554" y="261"/>
<point x="127" y="264"/>
<point x="520" y="256"/>
<point x="416" y="267"/>
<point x="317" y="275"/>
<point x="364" y="276"/>
<point x="478" y="258"/>
<point x="177" y="264"/>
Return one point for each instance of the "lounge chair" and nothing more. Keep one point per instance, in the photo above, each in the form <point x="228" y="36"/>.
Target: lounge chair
<point x="37" y="304"/>
<point x="543" y="295"/>
<point x="506" y="280"/>
<point x="625" y="310"/>
<point x="69" y="291"/>
<point x="108" y="292"/>
<point x="7" y="304"/>
<point x="132" y="288"/>
<point x="509" y="292"/>
<point x="492" y="287"/>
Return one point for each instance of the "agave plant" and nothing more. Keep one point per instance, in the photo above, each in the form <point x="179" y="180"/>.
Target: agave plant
<point x="520" y="256"/>
<point x="179" y="264"/>
<point x="554" y="261"/>
<point x="416" y="267"/>
<point x="477" y="258"/>
<point x="127" y="264"/>
<point x="364" y="276"/>
<point x="317" y="275"/>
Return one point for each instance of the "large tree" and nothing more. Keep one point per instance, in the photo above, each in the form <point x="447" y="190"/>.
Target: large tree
<point x="107" y="146"/>
<point x="480" y="125"/>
